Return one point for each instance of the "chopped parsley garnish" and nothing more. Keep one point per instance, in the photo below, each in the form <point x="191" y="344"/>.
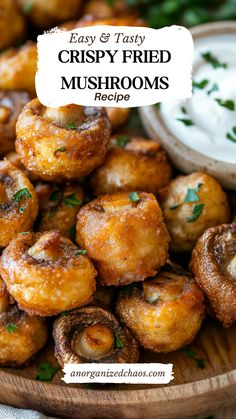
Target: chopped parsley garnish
<point x="22" y="210"/>
<point x="192" y="355"/>
<point x="192" y="194"/>
<point x="22" y="193"/>
<point x="26" y="9"/>
<point x="186" y="121"/>
<point x="122" y="140"/>
<point x="214" y="88"/>
<point x="11" y="327"/>
<point x="54" y="196"/>
<point x="61" y="149"/>
<point x="174" y="207"/>
<point x="228" y="103"/>
<point x="25" y="232"/>
<point x="183" y="109"/>
<point x="153" y="298"/>
<point x="46" y="371"/>
<point x="201" y="84"/>
<point x="197" y="210"/>
<point x="72" y="232"/>
<point x="134" y="197"/>
<point x="119" y="343"/>
<point x="81" y="252"/>
<point x="65" y="313"/>
<point x="71" y="201"/>
<point x="51" y="213"/>
<point x="211" y="59"/>
<point x="232" y="137"/>
<point x="71" y="125"/>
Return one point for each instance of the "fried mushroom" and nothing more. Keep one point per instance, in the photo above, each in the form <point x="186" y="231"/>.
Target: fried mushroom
<point x="93" y="334"/>
<point x="21" y="337"/>
<point x="59" y="207"/>
<point x="190" y="205"/>
<point x="165" y="313"/>
<point x="18" y="68"/>
<point x="18" y="202"/>
<point x="132" y="163"/>
<point x="61" y="143"/>
<point x="12" y="24"/>
<point x="124" y="235"/>
<point x="103" y="10"/>
<point x="117" y="116"/>
<point x="214" y="265"/>
<point x="47" y="274"/>
<point x="44" y="13"/>
<point x="11" y="104"/>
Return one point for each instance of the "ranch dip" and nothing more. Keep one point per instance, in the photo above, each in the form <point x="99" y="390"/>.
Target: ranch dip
<point x="207" y="121"/>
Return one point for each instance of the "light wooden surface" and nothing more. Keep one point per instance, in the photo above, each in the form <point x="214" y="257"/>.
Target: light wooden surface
<point x="193" y="391"/>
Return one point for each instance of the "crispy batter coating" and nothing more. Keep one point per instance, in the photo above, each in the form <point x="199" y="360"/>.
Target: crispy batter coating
<point x="165" y="314"/>
<point x="103" y="10"/>
<point x="18" y="67"/>
<point x="117" y="116"/>
<point x="61" y="143"/>
<point x="19" y="203"/>
<point x="128" y="241"/>
<point x="190" y="205"/>
<point x="59" y="207"/>
<point x="12" y="24"/>
<point x="132" y="163"/>
<point x="46" y="274"/>
<point x="21" y="337"/>
<point x="14" y="159"/>
<point x="44" y="13"/>
<point x="11" y="104"/>
<point x="214" y="265"/>
<point x="93" y="334"/>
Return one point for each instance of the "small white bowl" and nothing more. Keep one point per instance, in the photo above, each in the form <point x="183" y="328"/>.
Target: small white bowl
<point x="183" y="157"/>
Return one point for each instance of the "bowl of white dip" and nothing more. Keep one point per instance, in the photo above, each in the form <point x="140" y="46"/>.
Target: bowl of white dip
<point x="199" y="134"/>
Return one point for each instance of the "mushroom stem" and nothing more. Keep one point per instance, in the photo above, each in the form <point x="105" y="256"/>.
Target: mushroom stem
<point x="94" y="342"/>
<point x="65" y="115"/>
<point x="47" y="247"/>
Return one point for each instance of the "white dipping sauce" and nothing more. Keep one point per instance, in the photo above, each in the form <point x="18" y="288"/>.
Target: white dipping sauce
<point x="212" y="123"/>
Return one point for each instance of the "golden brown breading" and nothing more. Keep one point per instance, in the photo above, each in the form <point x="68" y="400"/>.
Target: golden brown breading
<point x="214" y="265"/>
<point x="21" y="337"/>
<point x="93" y="334"/>
<point x="18" y="67"/>
<point x="132" y="163"/>
<point x="117" y="116"/>
<point x="46" y="273"/>
<point x="44" y="13"/>
<point x="12" y="24"/>
<point x="102" y="9"/>
<point x="11" y="104"/>
<point x="190" y="205"/>
<point x="61" y="143"/>
<point x="165" y="314"/>
<point x="19" y="203"/>
<point x="128" y="241"/>
<point x="59" y="207"/>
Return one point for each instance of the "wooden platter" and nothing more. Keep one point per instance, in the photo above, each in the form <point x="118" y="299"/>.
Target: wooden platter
<point x="194" y="390"/>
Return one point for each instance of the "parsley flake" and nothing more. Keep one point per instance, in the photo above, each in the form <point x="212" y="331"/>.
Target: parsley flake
<point x="25" y="232"/>
<point x="153" y="298"/>
<point x="183" y="109"/>
<point x="22" y="193"/>
<point x="229" y="104"/>
<point x="201" y="84"/>
<point x="186" y="121"/>
<point x="71" y="201"/>
<point x="72" y="232"/>
<point x="71" y="125"/>
<point x="211" y="59"/>
<point x="174" y="207"/>
<point x="192" y="355"/>
<point x="214" y="88"/>
<point x="122" y="140"/>
<point x="192" y="194"/>
<point x="11" y="327"/>
<point x="232" y="137"/>
<point x="134" y="197"/>
<point x="46" y="371"/>
<point x="27" y="8"/>
<point x="81" y="252"/>
<point x="61" y="150"/>
<point x="54" y="196"/>
<point x="119" y="344"/>
<point x="197" y="210"/>
<point x="22" y="210"/>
